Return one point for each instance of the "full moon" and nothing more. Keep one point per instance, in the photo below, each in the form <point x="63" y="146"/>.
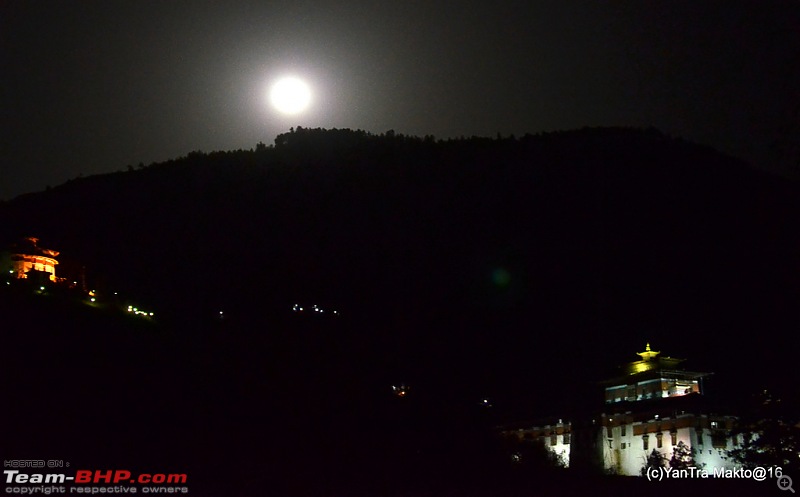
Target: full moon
<point x="290" y="95"/>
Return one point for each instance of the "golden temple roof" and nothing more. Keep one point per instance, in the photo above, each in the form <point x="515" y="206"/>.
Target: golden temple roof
<point x="648" y="353"/>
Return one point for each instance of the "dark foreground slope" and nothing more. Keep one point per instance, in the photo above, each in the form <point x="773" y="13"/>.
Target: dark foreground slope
<point x="288" y="414"/>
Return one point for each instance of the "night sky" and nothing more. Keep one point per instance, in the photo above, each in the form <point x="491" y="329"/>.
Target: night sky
<point x="91" y="87"/>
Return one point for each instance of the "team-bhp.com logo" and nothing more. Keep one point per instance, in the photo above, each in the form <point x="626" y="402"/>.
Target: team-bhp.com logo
<point x="84" y="481"/>
<point x="121" y="476"/>
<point x="85" y="476"/>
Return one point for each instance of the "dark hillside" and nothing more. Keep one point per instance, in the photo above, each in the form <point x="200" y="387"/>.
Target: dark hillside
<point x="485" y="263"/>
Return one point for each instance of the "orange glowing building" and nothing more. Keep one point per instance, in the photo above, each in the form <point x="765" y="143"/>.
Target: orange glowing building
<point x="27" y="255"/>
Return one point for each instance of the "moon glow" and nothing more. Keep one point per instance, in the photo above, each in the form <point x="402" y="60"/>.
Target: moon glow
<point x="290" y="95"/>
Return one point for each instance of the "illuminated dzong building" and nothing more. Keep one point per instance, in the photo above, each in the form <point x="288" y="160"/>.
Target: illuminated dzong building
<point x="653" y="404"/>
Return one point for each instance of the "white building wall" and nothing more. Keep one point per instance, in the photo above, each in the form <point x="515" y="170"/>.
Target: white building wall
<point x="715" y="457"/>
<point x="625" y="453"/>
<point x="561" y="449"/>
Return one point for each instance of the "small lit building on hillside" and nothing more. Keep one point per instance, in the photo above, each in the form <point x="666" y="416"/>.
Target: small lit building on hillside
<point x="28" y="256"/>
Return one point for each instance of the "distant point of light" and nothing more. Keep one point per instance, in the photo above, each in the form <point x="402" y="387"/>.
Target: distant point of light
<point x="290" y="95"/>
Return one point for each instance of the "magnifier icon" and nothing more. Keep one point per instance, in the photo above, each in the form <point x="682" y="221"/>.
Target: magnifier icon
<point x="785" y="483"/>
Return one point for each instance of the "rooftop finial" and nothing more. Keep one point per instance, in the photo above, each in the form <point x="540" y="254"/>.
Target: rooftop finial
<point x="648" y="353"/>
